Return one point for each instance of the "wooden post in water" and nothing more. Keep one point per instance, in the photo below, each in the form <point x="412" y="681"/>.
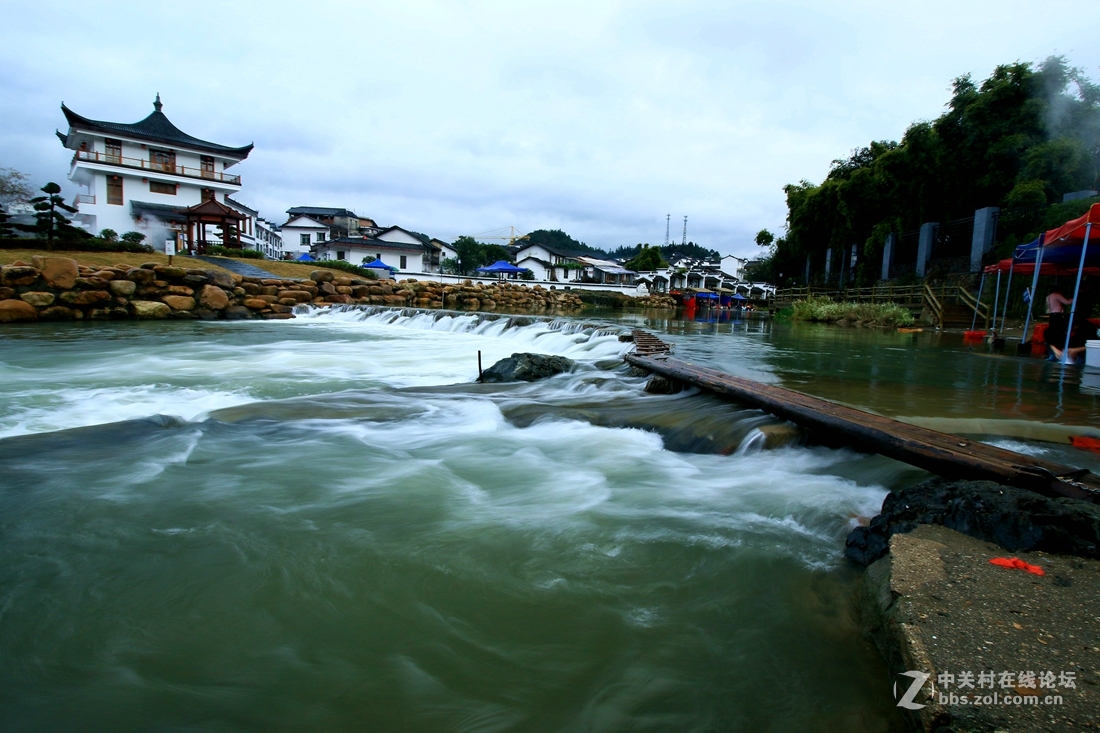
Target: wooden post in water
<point x="479" y="365"/>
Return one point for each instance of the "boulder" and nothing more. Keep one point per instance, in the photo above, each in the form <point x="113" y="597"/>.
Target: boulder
<point x="196" y="278"/>
<point x="60" y="272"/>
<point x="85" y="297"/>
<point x="17" y="311"/>
<point x="122" y="288"/>
<point x="526" y="368"/>
<point x="140" y="275"/>
<point x="255" y="304"/>
<point x="16" y="275"/>
<point x="6" y="293"/>
<point x="91" y="283"/>
<point x="149" y="309"/>
<point x="213" y="298"/>
<point x="164" y="272"/>
<point x="222" y="279"/>
<point x="39" y="299"/>
<point x="179" y="302"/>
<point x="58" y="313"/>
<point x="1015" y="519"/>
<point x="322" y="276"/>
<point x="180" y="290"/>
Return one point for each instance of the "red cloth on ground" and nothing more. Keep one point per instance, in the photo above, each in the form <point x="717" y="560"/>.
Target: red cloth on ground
<point x="1015" y="563"/>
<point x="1085" y="443"/>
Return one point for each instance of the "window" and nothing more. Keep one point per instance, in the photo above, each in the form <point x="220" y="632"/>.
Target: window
<point x="114" y="190"/>
<point x="163" y="160"/>
<point x="404" y="262"/>
<point x="166" y="188"/>
<point x="378" y="257"/>
<point x="320" y="236"/>
<point x="208" y="194"/>
<point x="303" y="239"/>
<point x="114" y="151"/>
<point x="340" y="255"/>
<point x="207" y="164"/>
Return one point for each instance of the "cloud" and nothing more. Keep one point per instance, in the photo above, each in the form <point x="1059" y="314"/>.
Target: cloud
<point x="448" y="117"/>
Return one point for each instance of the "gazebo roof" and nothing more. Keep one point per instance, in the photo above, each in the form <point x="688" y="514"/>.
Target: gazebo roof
<point x="212" y="209"/>
<point x="154" y="128"/>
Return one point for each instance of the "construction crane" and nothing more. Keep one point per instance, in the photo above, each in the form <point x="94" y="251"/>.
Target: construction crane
<point x="506" y="234"/>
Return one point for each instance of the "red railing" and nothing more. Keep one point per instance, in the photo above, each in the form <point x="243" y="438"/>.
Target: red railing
<point x="89" y="156"/>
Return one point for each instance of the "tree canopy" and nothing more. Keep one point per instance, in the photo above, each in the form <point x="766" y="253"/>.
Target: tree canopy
<point x="1023" y="137"/>
<point x="648" y="260"/>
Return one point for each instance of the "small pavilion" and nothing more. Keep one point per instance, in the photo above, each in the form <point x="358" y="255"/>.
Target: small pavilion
<point x="213" y="212"/>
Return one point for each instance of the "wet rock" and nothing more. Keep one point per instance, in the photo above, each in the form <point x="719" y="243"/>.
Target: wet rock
<point x="526" y="368"/>
<point x="663" y="385"/>
<point x="17" y="311"/>
<point x="237" y="313"/>
<point x="214" y="298"/>
<point x="1015" y="519"/>
<point x="122" y="288"/>
<point x="221" y="279"/>
<point x="206" y="314"/>
<point x="255" y="304"/>
<point x="196" y="278"/>
<point x="149" y="309"/>
<point x="39" y="299"/>
<point x="60" y="272"/>
<point x="7" y="293"/>
<point x="91" y="283"/>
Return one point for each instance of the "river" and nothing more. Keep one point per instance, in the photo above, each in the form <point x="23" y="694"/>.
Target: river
<point x="324" y="524"/>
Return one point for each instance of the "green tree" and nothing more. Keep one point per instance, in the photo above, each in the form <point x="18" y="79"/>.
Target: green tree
<point x="108" y="235"/>
<point x="473" y="254"/>
<point x="648" y="260"/>
<point x="133" y="237"/>
<point x="764" y="238"/>
<point x="50" y="223"/>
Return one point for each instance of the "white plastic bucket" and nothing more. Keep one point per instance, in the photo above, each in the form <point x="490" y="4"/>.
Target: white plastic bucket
<point x="1092" y="354"/>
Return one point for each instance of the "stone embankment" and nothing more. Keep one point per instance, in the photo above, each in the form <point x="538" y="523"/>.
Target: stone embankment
<point x="1004" y="649"/>
<point x="58" y="289"/>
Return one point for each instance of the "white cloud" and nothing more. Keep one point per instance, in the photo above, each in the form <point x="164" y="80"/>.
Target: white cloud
<point x="597" y="117"/>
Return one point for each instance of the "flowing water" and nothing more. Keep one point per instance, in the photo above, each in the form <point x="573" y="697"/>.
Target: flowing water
<point x="324" y="524"/>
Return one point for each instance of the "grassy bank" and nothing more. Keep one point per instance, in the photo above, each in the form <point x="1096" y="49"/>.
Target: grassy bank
<point x="874" y="314"/>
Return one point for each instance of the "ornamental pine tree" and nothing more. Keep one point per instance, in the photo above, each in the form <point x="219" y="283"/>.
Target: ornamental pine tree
<point x="49" y="222"/>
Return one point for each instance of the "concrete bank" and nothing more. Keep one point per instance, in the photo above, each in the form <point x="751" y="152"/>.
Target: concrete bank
<point x="59" y="289"/>
<point x="1005" y="649"/>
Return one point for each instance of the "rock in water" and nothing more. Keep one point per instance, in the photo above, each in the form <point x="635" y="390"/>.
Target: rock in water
<point x="1015" y="519"/>
<point x="526" y="368"/>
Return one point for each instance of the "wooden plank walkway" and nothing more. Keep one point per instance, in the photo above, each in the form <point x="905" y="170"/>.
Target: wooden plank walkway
<point x="931" y="450"/>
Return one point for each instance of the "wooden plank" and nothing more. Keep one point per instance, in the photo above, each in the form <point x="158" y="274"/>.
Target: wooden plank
<point x="931" y="450"/>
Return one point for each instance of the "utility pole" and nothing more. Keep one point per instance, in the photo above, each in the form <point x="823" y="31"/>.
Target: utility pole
<point x="668" y="218"/>
<point x="684" y="244"/>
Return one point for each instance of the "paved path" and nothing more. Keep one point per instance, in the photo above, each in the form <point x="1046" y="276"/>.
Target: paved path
<point x="242" y="268"/>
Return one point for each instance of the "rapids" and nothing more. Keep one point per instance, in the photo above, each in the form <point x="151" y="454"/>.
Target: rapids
<point x="325" y="524"/>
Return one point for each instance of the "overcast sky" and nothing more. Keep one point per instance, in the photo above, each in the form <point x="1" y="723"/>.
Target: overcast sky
<point x="452" y="118"/>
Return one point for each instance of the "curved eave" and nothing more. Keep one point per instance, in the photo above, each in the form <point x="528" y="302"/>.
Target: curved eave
<point x="122" y="130"/>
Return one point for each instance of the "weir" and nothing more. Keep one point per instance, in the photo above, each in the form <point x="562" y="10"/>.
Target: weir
<point x="947" y="455"/>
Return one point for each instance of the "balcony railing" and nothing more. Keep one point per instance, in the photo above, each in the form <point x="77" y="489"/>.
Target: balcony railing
<point x="84" y="198"/>
<point x="90" y="156"/>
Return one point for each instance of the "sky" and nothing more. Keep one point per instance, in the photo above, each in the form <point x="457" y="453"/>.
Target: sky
<point x="451" y="118"/>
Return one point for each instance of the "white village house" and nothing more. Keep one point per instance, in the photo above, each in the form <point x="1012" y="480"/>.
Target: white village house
<point x="141" y="176"/>
<point x="408" y="252"/>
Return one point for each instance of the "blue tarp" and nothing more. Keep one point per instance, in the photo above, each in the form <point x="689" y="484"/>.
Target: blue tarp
<point x="738" y="296"/>
<point x="502" y="267"/>
<point x="379" y="265"/>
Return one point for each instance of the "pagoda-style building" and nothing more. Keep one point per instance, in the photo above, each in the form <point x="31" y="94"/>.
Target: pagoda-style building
<point x="152" y="177"/>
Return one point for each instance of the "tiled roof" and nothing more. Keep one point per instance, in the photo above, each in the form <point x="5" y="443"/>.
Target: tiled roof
<point x="372" y="243"/>
<point x="154" y="128"/>
<point x="319" y="211"/>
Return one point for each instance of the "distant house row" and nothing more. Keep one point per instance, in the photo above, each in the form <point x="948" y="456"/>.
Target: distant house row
<point x="150" y="176"/>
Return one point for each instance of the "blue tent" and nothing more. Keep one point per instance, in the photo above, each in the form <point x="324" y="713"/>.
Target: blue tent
<point x="738" y="296"/>
<point x="500" y="267"/>
<point x="304" y="257"/>
<point x="379" y="265"/>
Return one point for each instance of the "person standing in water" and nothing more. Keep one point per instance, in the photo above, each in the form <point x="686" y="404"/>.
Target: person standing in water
<point x="1058" y="317"/>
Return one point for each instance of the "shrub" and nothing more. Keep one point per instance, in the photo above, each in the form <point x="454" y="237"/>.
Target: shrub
<point x="247" y="254"/>
<point x="823" y="309"/>
<point x="108" y="235"/>
<point x="349" y="267"/>
<point x="133" y="237"/>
